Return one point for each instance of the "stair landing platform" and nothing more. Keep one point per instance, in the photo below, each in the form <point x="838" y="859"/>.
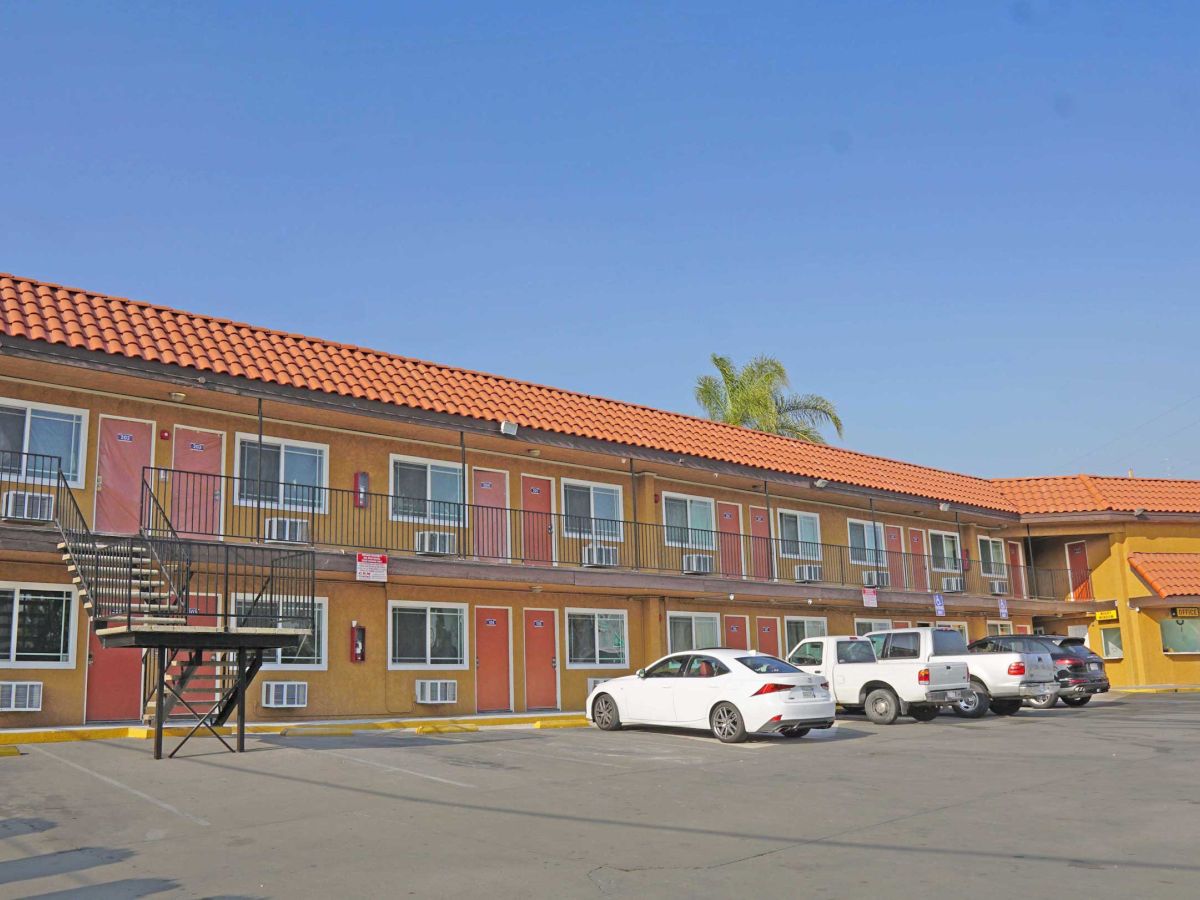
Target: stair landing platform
<point x="197" y="637"/>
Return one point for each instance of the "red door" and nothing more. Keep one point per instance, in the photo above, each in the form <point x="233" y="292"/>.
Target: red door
<point x="919" y="561"/>
<point x="489" y="516"/>
<point x="893" y="543"/>
<point x="737" y="636"/>
<point x="541" y="660"/>
<point x="768" y="635"/>
<point x="114" y="682"/>
<point x="729" y="524"/>
<point x="537" y="523"/>
<point x="760" y="543"/>
<point x="1016" y="571"/>
<point x="124" y="450"/>
<point x="1081" y="584"/>
<point x="195" y="508"/>
<point x="491" y="659"/>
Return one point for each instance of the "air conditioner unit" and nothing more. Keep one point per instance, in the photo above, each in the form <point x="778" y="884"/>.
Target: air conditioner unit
<point x="292" y="531"/>
<point x="876" y="579"/>
<point x="998" y="586"/>
<point x="285" y="694"/>
<point x="599" y="557"/>
<point x="953" y="585"/>
<point x="594" y="682"/>
<point x="697" y="564"/>
<point x="809" y="573"/>
<point x="437" y="691"/>
<point x="436" y="543"/>
<point x="20" y="696"/>
<point x="28" y="506"/>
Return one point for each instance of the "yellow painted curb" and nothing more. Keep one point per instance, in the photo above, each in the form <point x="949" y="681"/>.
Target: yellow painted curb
<point x="10" y="750"/>
<point x="318" y="731"/>
<point x="1174" y="690"/>
<point x="562" y="723"/>
<point x="445" y="728"/>
<point x="57" y="735"/>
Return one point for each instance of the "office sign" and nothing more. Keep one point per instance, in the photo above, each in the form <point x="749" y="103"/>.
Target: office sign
<point x="1185" y="612"/>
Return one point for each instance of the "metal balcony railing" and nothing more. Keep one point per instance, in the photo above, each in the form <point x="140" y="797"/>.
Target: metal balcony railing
<point x="210" y="507"/>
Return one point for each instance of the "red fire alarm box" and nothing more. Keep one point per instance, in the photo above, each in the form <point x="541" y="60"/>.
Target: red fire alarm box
<point x="362" y="489"/>
<point x="358" y="643"/>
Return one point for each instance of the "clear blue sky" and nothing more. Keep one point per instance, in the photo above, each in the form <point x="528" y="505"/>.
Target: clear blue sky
<point x="974" y="226"/>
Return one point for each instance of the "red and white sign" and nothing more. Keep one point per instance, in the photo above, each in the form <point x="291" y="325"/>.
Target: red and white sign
<point x="371" y="567"/>
<point x="870" y="597"/>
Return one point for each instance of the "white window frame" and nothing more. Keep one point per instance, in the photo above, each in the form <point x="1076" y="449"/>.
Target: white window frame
<point x="875" y="623"/>
<point x="430" y="667"/>
<point x="692" y="617"/>
<point x="961" y="627"/>
<point x="619" y="536"/>
<point x="710" y="532"/>
<point x="814" y="518"/>
<point x="877" y="551"/>
<point x="1001" y="626"/>
<point x="805" y="619"/>
<point x="1002" y="562"/>
<point x="279" y="503"/>
<point x="322" y="610"/>
<point x="957" y="567"/>
<point x="1103" y="649"/>
<point x="17" y="587"/>
<point x="592" y="611"/>
<point x="80" y="463"/>
<point x="428" y="463"/>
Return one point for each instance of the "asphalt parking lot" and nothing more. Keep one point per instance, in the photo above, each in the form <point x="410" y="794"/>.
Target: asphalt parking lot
<point x="1099" y="802"/>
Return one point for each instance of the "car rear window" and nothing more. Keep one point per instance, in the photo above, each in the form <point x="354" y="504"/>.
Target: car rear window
<point x="1078" y="650"/>
<point x="855" y="652"/>
<point x="767" y="665"/>
<point x="948" y="643"/>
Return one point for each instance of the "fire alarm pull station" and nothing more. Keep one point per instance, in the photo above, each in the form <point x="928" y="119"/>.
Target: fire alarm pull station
<point x="362" y="488"/>
<point x="358" y="642"/>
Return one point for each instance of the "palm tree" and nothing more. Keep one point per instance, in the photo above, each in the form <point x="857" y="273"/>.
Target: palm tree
<point x="756" y="396"/>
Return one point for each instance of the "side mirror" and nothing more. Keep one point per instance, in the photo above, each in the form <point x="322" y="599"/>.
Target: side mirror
<point x="641" y="673"/>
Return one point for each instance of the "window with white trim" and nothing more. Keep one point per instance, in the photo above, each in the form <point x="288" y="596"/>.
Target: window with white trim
<point x="998" y="626"/>
<point x="280" y="473"/>
<point x="991" y="558"/>
<point x="597" y="638"/>
<point x="693" y="631"/>
<point x="945" y="551"/>
<point x="44" y="431"/>
<point x="1111" y="644"/>
<point x="800" y="628"/>
<point x="866" y="626"/>
<point x="690" y="521"/>
<point x="306" y="651"/>
<point x="799" y="535"/>
<point x="960" y="627"/>
<point x="428" y="635"/>
<point x="36" y="627"/>
<point x="592" y="510"/>
<point x="866" y="542"/>
<point x="426" y="490"/>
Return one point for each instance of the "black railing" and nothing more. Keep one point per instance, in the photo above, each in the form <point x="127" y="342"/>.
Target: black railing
<point x="212" y="506"/>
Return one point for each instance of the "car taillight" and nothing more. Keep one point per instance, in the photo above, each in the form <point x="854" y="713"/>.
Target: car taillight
<point x="923" y="676"/>
<point x="1017" y="668"/>
<point x="1069" y="662"/>
<point x="772" y="689"/>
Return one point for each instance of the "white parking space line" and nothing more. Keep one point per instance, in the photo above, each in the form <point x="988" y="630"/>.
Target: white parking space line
<point x="499" y="745"/>
<point x="117" y="784"/>
<point x="386" y="768"/>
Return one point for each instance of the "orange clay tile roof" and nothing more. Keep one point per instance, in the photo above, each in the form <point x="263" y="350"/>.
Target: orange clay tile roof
<point x="1169" y="574"/>
<point x="40" y="311"/>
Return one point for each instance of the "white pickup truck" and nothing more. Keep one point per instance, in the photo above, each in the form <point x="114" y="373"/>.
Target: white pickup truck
<point x="1002" y="677"/>
<point x="890" y="673"/>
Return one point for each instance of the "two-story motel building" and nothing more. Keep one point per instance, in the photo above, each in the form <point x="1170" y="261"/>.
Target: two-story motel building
<point x="535" y="539"/>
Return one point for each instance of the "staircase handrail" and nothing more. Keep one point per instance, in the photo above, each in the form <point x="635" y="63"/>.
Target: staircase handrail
<point x="167" y="549"/>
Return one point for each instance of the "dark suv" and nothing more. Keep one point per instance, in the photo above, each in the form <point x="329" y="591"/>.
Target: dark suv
<point x="1079" y="672"/>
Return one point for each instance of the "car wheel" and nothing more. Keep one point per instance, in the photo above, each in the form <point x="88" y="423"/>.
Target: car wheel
<point x="882" y="706"/>
<point x="1006" y="706"/>
<point x="605" y="714"/>
<point x="923" y="713"/>
<point x="794" y="732"/>
<point x="1046" y="702"/>
<point x="974" y="704"/>
<point x="1078" y="701"/>
<point x="727" y="724"/>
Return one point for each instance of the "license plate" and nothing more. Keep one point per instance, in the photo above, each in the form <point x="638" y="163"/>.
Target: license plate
<point x="1095" y="667"/>
<point x="953" y="695"/>
<point x="807" y="692"/>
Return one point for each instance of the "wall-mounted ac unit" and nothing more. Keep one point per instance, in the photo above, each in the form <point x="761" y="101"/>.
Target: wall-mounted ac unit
<point x="952" y="585"/>
<point x="292" y="531"/>
<point x="436" y="543"/>
<point x="28" y="506"/>
<point x="697" y="564"/>
<point x="998" y="586"/>
<point x="285" y="694"/>
<point x="599" y="557"/>
<point x="593" y="682"/>
<point x="20" y="696"/>
<point x="876" y="579"/>
<point x="437" y="691"/>
<point x="809" y="573"/>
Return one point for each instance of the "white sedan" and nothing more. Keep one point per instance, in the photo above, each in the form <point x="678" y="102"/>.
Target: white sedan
<point x="730" y="692"/>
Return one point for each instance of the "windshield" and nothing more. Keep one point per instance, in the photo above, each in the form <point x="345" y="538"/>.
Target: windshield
<point x="767" y="665"/>
<point x="855" y="652"/>
<point x="1077" y="650"/>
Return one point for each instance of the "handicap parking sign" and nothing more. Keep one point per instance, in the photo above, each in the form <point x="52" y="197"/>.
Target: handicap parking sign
<point x="939" y="605"/>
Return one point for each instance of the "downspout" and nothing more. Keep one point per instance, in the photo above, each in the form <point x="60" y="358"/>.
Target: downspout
<point x="258" y="473"/>
<point x="637" y="528"/>
<point x="462" y="493"/>
<point x="770" y="530"/>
